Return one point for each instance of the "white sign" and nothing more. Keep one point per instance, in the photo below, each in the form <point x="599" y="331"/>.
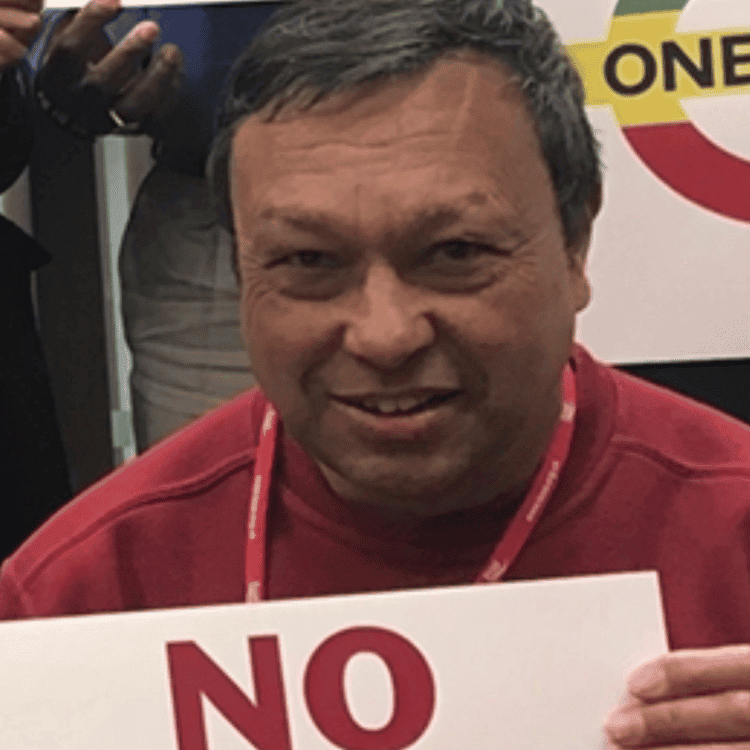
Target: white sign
<point x="668" y="86"/>
<point x="534" y="665"/>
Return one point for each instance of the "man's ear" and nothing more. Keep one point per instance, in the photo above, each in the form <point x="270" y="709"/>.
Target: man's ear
<point x="578" y="252"/>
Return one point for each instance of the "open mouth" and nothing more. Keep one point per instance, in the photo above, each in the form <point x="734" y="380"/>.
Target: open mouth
<point x="399" y="406"/>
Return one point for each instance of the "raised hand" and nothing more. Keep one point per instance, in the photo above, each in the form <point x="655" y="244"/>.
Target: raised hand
<point x="687" y="699"/>
<point x="93" y="88"/>
<point x="20" y="22"/>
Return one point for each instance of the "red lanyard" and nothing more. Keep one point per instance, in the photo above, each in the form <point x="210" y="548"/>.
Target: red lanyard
<point x="511" y="543"/>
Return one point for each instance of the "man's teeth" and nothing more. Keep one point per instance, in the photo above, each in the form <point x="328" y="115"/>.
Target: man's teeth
<point x="393" y="405"/>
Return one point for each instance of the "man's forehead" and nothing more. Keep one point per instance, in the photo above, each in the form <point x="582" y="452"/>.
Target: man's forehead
<point x="401" y="148"/>
<point x="454" y="96"/>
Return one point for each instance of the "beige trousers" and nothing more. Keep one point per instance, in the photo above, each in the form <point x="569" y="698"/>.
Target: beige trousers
<point x="180" y="307"/>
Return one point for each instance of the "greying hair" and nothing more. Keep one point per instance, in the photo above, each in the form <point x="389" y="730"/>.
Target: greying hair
<point x="310" y="49"/>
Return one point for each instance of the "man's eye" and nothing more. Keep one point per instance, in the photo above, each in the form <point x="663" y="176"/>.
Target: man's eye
<point x="461" y="251"/>
<point x="313" y="259"/>
<point x="458" y="250"/>
<point x="309" y="274"/>
<point x="460" y="265"/>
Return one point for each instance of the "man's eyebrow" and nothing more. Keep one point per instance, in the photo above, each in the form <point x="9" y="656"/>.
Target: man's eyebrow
<point x="428" y="219"/>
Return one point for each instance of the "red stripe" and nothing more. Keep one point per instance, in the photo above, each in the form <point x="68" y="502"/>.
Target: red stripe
<point x="527" y="516"/>
<point x="680" y="155"/>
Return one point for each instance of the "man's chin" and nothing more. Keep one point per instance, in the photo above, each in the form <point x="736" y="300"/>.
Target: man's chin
<point x="391" y="487"/>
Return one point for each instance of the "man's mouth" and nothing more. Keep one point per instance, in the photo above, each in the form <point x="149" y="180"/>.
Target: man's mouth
<point x="398" y="405"/>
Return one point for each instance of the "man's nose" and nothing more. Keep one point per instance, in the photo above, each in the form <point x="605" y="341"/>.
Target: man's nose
<point x="390" y="321"/>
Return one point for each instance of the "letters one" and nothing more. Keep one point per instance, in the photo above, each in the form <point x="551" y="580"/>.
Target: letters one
<point x="264" y="723"/>
<point x="672" y="55"/>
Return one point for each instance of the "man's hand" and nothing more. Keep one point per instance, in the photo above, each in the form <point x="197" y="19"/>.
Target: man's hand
<point x="20" y="22"/>
<point x="687" y="699"/>
<point x="98" y="87"/>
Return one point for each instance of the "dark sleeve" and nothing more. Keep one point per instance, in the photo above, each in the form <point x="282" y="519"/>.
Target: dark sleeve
<point x="15" y="126"/>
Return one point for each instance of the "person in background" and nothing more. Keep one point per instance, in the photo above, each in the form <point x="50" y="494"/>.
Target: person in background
<point x="179" y="289"/>
<point x="32" y="460"/>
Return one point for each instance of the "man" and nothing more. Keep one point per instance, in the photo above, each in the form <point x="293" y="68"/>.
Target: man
<point x="179" y="291"/>
<point x="411" y="187"/>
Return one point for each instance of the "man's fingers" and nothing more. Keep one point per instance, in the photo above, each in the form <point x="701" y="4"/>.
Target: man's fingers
<point x="153" y="88"/>
<point x="29" y="6"/>
<point x="20" y="24"/>
<point x="116" y="69"/>
<point x="11" y="50"/>
<point x="76" y="42"/>
<point x="88" y="23"/>
<point x="707" y="718"/>
<point x="685" y="673"/>
<point x="698" y="699"/>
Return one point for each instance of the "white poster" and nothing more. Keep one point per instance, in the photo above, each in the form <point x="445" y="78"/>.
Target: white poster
<point x="535" y="665"/>
<point x="668" y="85"/>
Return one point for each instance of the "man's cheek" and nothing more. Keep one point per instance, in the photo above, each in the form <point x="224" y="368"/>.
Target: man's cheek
<point x="270" y="357"/>
<point x="262" y="316"/>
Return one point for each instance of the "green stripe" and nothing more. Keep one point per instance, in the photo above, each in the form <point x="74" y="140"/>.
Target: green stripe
<point x="630" y="7"/>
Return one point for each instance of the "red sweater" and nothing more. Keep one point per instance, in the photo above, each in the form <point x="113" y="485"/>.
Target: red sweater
<point x="654" y="481"/>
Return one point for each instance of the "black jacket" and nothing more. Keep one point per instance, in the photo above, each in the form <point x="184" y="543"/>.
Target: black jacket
<point x="19" y="253"/>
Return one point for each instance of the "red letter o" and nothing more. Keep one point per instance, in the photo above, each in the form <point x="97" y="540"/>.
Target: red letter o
<point x="413" y="690"/>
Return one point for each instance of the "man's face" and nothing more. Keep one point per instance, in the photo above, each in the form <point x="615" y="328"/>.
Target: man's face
<point x="408" y="298"/>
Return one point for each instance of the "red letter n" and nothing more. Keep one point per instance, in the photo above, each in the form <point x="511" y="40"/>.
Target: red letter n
<point x="263" y="723"/>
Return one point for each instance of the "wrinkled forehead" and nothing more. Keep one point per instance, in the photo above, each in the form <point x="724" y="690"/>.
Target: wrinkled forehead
<point x="458" y="100"/>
